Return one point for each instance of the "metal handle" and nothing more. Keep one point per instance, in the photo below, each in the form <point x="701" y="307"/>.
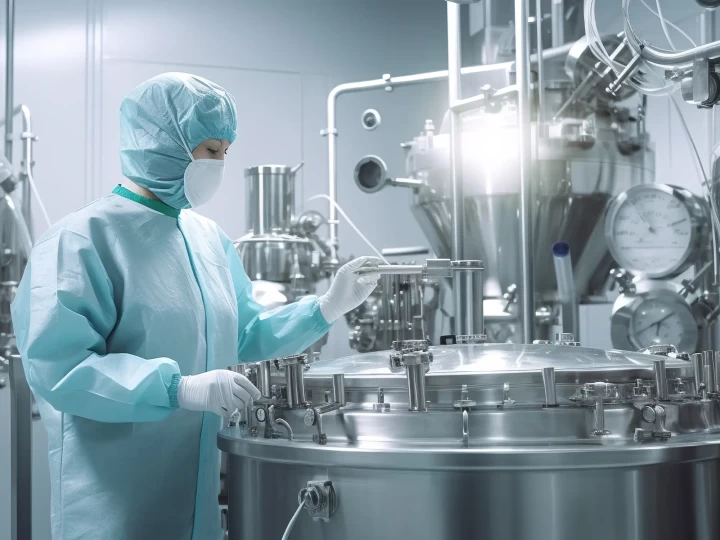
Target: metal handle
<point x="466" y="428"/>
<point x="297" y="167"/>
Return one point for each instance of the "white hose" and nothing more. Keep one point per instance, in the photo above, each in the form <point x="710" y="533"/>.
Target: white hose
<point x="658" y="14"/>
<point x="663" y="23"/>
<point x="39" y="200"/>
<point x="294" y="518"/>
<point x="23" y="233"/>
<point x="350" y="222"/>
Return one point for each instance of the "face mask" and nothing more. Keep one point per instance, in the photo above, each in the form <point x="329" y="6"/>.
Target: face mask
<point x="202" y="180"/>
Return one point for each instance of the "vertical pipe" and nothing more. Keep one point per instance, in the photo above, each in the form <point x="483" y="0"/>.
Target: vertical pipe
<point x="468" y="293"/>
<point x="548" y="375"/>
<point x="455" y="93"/>
<point x="20" y="452"/>
<point x="558" y="23"/>
<point x="567" y="294"/>
<point x="709" y="362"/>
<point x="416" y="387"/>
<point x="522" y="66"/>
<point x="9" y="76"/>
<point x="339" y="389"/>
<point x="540" y="67"/>
<point x="697" y="360"/>
<point x="263" y="378"/>
<point x="661" y="387"/>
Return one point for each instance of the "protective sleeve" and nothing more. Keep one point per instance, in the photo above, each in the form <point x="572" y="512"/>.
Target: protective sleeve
<point x="63" y="312"/>
<point x="265" y="334"/>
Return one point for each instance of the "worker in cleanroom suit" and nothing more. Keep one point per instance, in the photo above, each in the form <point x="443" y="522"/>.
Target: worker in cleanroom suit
<point x="130" y="311"/>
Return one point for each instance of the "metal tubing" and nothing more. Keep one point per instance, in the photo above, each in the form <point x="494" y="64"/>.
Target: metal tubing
<point x="670" y="59"/>
<point x="263" y="378"/>
<point x="697" y="360"/>
<point x="540" y="66"/>
<point x="599" y="415"/>
<point x="416" y="387"/>
<point x="548" y="375"/>
<point x="522" y="66"/>
<point x="466" y="428"/>
<point x="661" y="387"/>
<point x="339" y="389"/>
<point x="20" y="452"/>
<point x="709" y="360"/>
<point x="468" y="294"/>
<point x="405" y="251"/>
<point x="557" y="15"/>
<point x="9" y="76"/>
<point x="294" y="379"/>
<point x="567" y="294"/>
<point x="455" y="94"/>
<point x="717" y="371"/>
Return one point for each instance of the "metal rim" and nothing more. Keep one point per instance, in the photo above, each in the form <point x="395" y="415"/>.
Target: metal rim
<point x="599" y="456"/>
<point x="627" y="305"/>
<point x="698" y="230"/>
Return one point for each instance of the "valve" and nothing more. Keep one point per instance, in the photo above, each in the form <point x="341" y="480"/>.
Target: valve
<point x="320" y="499"/>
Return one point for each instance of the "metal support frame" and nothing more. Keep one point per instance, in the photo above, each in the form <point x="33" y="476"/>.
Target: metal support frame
<point x="20" y="452"/>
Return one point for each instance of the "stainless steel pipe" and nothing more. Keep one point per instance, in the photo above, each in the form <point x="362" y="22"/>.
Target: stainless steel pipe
<point x="697" y="360"/>
<point x="661" y="386"/>
<point x="339" y="389"/>
<point x="567" y="294"/>
<point x="271" y="198"/>
<point x="295" y="385"/>
<point x="548" y="375"/>
<point x="416" y="386"/>
<point x="20" y="452"/>
<point x="468" y="295"/>
<point x="709" y="360"/>
<point x="522" y="66"/>
<point x="9" y="76"/>
<point x="263" y="378"/>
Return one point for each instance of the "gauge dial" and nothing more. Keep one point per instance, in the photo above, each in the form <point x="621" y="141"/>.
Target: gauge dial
<point x="652" y="229"/>
<point x="657" y="321"/>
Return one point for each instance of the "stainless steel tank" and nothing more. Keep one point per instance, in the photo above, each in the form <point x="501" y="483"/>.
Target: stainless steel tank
<point x="506" y="442"/>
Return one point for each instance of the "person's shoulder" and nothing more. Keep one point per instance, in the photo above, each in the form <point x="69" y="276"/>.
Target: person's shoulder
<point x="84" y="221"/>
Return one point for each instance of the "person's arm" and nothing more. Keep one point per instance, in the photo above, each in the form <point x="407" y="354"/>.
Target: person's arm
<point x="63" y="313"/>
<point x="283" y="331"/>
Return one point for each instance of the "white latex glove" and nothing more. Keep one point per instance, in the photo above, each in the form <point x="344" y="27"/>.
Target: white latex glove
<point x="220" y="391"/>
<point x="348" y="290"/>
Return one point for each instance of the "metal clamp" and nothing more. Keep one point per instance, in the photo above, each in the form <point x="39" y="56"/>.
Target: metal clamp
<point x="320" y="499"/>
<point x="653" y="414"/>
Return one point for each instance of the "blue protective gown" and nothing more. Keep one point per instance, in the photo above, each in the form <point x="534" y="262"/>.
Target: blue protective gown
<point x="118" y="300"/>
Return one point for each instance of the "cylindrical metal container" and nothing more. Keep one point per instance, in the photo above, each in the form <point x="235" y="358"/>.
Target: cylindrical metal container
<point x="492" y="462"/>
<point x="270" y="198"/>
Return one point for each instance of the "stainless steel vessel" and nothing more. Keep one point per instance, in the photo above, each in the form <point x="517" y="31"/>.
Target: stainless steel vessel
<point x="503" y="442"/>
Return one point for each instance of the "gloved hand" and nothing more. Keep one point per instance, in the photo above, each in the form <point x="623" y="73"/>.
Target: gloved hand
<point x="348" y="290"/>
<point x="220" y="391"/>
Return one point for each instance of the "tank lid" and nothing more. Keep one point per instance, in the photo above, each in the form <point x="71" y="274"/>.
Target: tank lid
<point x="508" y="361"/>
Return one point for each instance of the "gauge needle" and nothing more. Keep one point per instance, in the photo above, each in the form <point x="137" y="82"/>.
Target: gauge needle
<point x="642" y="218"/>
<point x="658" y="323"/>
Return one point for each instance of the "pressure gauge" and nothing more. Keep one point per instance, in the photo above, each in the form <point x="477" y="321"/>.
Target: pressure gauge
<point x="656" y="314"/>
<point x="655" y="230"/>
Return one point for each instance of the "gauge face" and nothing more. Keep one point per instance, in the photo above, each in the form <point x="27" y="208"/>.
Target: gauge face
<point x="650" y="231"/>
<point x="658" y="321"/>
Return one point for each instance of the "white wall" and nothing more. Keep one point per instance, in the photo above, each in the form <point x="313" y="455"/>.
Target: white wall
<point x="76" y="59"/>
